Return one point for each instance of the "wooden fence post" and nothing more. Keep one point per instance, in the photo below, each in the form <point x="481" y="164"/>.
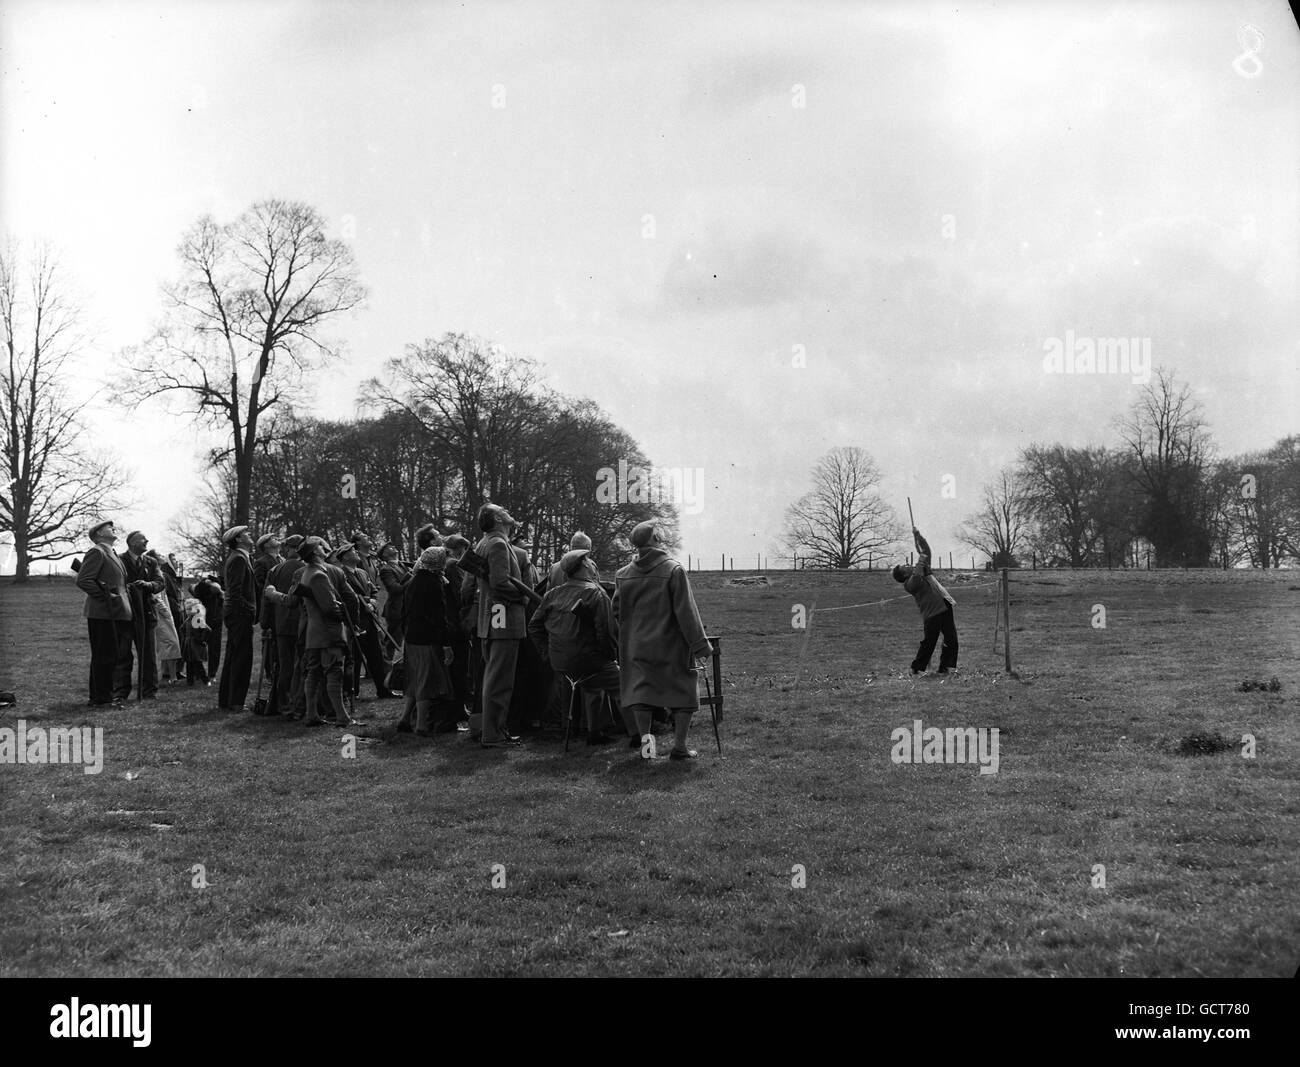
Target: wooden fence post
<point x="1006" y="617"/>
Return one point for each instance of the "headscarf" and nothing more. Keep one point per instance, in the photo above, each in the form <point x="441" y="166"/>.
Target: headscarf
<point x="432" y="559"/>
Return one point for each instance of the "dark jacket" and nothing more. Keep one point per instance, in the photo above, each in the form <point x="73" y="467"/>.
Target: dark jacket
<point x="573" y="628"/>
<point x="211" y="596"/>
<point x="503" y="564"/>
<point x="396" y="580"/>
<point x="426" y="608"/>
<point x="283" y="616"/>
<point x="315" y="592"/>
<point x="240" y="587"/>
<point x="173" y="584"/>
<point x="103" y="580"/>
<point x="143" y="570"/>
<point x="263" y="562"/>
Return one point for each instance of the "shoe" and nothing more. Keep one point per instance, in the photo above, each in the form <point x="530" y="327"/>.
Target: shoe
<point x="683" y="753"/>
<point x="404" y="728"/>
<point x="462" y="727"/>
<point x="425" y="733"/>
<point x="634" y="742"/>
<point x="313" y="722"/>
<point x="386" y="694"/>
<point x="506" y="742"/>
<point x="598" y="739"/>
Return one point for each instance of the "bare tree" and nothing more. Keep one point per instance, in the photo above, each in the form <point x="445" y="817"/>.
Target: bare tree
<point x="1063" y="487"/>
<point x="1167" y="437"/>
<point x="245" y="322"/>
<point x="514" y="442"/>
<point x="51" y="480"/>
<point x="843" y="521"/>
<point x="1261" y="495"/>
<point x="1004" y="522"/>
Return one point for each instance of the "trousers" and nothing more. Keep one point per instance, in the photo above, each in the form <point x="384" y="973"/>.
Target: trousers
<point x="935" y="625"/>
<point x="127" y="649"/>
<point x="501" y="656"/>
<point x="237" y="671"/>
<point x="108" y="639"/>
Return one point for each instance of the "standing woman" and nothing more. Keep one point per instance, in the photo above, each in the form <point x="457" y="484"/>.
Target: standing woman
<point x="394" y="577"/>
<point x="166" y="637"/>
<point x="107" y="610"/>
<point x="428" y="648"/>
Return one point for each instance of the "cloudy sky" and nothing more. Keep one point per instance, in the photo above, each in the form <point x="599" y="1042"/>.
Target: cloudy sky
<point x="669" y="204"/>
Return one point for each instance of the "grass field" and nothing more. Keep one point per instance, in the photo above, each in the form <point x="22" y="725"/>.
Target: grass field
<point x="383" y="864"/>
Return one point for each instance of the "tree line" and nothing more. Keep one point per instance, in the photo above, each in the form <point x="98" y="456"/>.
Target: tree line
<point x="453" y="423"/>
<point x="244" y="332"/>
<point x="1161" y="495"/>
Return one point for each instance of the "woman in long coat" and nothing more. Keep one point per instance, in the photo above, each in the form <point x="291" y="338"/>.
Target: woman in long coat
<point x="167" y="642"/>
<point x="660" y="635"/>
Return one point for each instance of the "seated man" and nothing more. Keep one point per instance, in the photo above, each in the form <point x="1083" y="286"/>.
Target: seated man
<point x="573" y="629"/>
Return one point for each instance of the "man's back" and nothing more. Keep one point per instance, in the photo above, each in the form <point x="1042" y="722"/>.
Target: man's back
<point x="575" y="622"/>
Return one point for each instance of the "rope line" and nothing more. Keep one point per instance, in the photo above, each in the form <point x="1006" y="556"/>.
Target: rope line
<point x="905" y="596"/>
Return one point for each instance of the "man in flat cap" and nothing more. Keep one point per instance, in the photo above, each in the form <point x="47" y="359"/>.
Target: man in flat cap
<point x="266" y="557"/>
<point x="107" y="611"/>
<point x="368" y="642"/>
<point x="324" y="633"/>
<point x="143" y="580"/>
<point x="578" y="542"/>
<point x="281" y="619"/>
<point x="659" y="635"/>
<point x="239" y="614"/>
<point x="500" y="624"/>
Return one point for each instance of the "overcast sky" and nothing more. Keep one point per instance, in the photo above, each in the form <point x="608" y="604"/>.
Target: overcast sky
<point x="674" y="198"/>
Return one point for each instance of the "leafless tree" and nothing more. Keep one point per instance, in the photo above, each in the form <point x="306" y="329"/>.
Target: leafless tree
<point x="1003" y="524"/>
<point x="53" y="479"/>
<point x="1171" y="449"/>
<point x="245" y="323"/>
<point x="843" y="521"/>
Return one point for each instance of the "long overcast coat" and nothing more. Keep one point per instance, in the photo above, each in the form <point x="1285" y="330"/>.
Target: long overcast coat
<point x="503" y="565"/>
<point x="659" y="632"/>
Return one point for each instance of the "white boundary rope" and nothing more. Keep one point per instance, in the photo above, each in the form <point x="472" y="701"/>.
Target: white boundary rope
<point x="905" y="596"/>
<point x="814" y="610"/>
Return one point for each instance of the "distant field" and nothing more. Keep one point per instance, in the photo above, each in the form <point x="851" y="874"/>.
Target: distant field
<point x="383" y="864"/>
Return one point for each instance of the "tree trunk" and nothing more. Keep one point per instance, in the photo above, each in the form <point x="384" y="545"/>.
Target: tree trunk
<point x="22" y="565"/>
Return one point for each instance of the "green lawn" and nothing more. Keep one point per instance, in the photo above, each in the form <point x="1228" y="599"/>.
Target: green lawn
<point x="383" y="865"/>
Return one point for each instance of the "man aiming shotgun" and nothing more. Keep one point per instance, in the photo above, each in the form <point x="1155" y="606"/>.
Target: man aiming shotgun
<point x="935" y="604"/>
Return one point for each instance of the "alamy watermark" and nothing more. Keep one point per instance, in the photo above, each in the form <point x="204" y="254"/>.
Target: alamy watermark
<point x="930" y="744"/>
<point x="1098" y="355"/>
<point x="75" y="1019"/>
<point x="683" y="486"/>
<point x="60" y="744"/>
